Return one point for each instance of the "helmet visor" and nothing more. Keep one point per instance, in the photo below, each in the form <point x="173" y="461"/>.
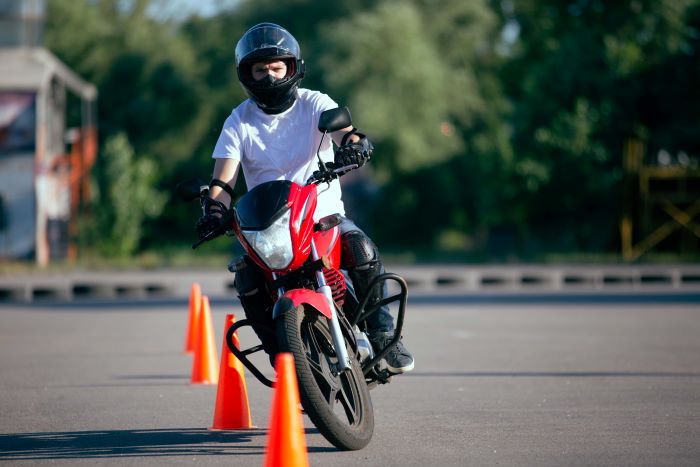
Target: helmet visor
<point x="266" y="41"/>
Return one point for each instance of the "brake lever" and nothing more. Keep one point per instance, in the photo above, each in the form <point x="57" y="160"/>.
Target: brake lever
<point x="346" y="169"/>
<point x="210" y="236"/>
<point x="226" y="219"/>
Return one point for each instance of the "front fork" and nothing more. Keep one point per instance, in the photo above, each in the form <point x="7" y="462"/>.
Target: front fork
<point x="334" y="325"/>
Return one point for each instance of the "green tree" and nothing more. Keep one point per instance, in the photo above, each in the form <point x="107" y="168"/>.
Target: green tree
<point x="146" y="73"/>
<point x="421" y="77"/>
<point x="583" y="76"/>
<point x="123" y="201"/>
<point x="376" y="70"/>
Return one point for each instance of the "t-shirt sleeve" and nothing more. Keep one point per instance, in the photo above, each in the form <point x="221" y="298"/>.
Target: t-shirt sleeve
<point x="228" y="146"/>
<point x="322" y="102"/>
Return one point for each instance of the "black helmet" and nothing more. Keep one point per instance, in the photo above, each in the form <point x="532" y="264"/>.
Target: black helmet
<point x="268" y="41"/>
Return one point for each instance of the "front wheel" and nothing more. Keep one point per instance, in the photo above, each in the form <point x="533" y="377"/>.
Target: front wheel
<point x="338" y="404"/>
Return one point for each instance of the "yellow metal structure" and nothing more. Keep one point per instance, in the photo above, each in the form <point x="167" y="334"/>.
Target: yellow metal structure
<point x="660" y="200"/>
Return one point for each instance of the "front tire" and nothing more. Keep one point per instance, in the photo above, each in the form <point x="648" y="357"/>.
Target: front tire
<point x="338" y="405"/>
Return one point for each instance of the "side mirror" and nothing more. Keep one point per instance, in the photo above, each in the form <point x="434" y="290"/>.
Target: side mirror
<point x="334" y="119"/>
<point x="190" y="189"/>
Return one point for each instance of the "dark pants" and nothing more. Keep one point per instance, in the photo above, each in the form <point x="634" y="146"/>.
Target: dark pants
<point x="362" y="274"/>
<point x="360" y="263"/>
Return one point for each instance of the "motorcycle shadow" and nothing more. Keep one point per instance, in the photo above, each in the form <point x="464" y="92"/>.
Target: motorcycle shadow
<point x="103" y="444"/>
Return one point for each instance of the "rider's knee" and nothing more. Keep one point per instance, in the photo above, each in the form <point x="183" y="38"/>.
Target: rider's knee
<point x="358" y="251"/>
<point x="249" y="278"/>
<point x="252" y="292"/>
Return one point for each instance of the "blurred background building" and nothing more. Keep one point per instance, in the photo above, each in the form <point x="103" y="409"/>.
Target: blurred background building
<point x="43" y="164"/>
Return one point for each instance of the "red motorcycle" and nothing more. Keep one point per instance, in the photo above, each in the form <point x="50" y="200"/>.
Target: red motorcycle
<point x="317" y="317"/>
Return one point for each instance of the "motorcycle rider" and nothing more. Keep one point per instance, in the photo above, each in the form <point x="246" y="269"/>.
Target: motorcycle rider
<point x="273" y="135"/>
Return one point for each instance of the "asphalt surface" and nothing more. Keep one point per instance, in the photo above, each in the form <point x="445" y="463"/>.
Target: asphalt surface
<point x="597" y="382"/>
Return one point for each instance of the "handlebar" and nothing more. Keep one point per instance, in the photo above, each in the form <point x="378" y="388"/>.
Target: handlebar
<point x="226" y="220"/>
<point x="330" y="173"/>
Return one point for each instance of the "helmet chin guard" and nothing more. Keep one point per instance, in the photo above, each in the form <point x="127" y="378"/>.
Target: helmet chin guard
<point x="267" y="42"/>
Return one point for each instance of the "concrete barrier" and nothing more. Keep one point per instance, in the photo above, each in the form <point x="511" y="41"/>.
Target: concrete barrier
<point x="424" y="279"/>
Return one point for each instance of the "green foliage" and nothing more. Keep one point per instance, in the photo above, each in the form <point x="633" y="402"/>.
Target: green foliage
<point x="124" y="198"/>
<point x="373" y="71"/>
<point x="498" y="125"/>
<point x="582" y="77"/>
<point x="145" y="70"/>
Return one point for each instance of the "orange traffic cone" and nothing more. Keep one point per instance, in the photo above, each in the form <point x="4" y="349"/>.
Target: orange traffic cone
<point x="232" y="411"/>
<point x="195" y="307"/>
<point x="286" y="445"/>
<point x="206" y="361"/>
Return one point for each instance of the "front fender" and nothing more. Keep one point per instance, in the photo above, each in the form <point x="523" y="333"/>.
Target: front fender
<point x="293" y="298"/>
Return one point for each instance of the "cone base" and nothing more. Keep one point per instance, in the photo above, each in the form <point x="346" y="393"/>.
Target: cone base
<point x="252" y="428"/>
<point x="204" y="381"/>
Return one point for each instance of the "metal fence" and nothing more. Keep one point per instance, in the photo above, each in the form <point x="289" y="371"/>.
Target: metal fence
<point x="78" y="285"/>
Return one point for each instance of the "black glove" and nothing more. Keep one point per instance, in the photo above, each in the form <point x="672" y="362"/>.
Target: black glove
<point x="354" y="153"/>
<point x="211" y="219"/>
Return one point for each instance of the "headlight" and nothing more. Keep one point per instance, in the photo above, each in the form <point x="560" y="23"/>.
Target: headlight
<point x="274" y="244"/>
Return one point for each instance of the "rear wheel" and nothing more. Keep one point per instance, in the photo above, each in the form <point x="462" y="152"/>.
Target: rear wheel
<point x="338" y="404"/>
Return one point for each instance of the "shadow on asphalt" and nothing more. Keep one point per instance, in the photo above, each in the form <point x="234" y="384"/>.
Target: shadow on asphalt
<point x="136" y="443"/>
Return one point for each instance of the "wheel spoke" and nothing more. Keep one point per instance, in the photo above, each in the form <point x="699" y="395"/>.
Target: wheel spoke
<point x="335" y="389"/>
<point x="315" y="342"/>
<point x="348" y="400"/>
<point x="313" y="351"/>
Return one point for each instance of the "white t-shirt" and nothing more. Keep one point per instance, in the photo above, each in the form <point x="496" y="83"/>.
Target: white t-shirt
<point x="282" y="146"/>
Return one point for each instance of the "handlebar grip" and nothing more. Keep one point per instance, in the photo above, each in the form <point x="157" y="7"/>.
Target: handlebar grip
<point x="226" y="219"/>
<point x="196" y="244"/>
<point x="346" y="169"/>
